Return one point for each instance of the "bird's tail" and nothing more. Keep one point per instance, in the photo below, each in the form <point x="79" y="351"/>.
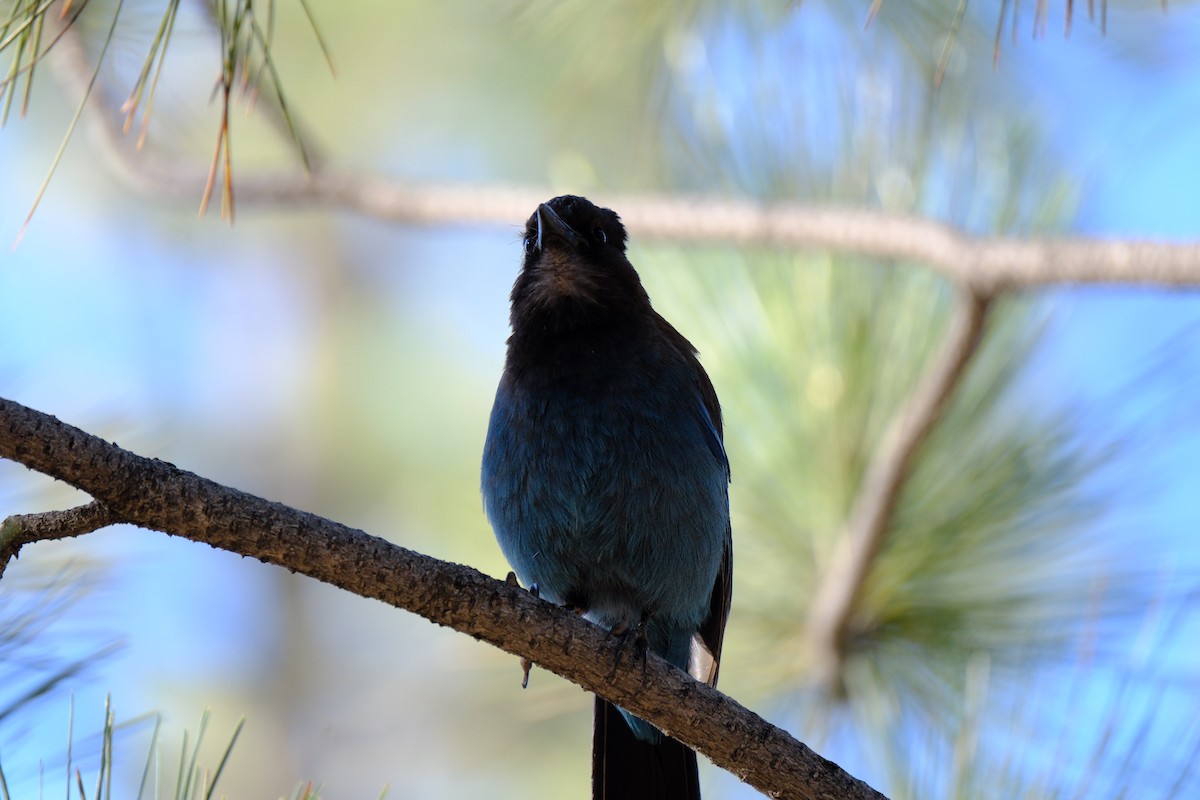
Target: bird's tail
<point x="626" y="768"/>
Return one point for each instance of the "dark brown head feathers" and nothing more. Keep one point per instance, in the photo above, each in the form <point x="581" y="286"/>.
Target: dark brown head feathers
<point x="575" y="271"/>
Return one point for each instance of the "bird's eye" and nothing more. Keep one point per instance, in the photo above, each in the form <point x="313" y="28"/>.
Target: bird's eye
<point x="530" y="245"/>
<point x="599" y="236"/>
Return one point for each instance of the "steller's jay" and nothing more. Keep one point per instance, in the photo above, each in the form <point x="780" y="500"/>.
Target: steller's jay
<point x="605" y="477"/>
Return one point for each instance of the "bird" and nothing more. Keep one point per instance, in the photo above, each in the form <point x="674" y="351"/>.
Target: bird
<point x="605" y="477"/>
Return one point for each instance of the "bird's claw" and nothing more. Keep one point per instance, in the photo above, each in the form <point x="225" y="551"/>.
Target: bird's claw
<point x="526" y="664"/>
<point x="641" y="645"/>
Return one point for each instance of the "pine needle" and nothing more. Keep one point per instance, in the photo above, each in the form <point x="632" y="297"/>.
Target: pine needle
<point x="191" y="762"/>
<point x="320" y="39"/>
<point x="71" y="128"/>
<point x="70" y="742"/>
<point x="158" y="49"/>
<point x="277" y="85"/>
<point x="237" y="729"/>
<point x="151" y="754"/>
<point x="948" y="47"/>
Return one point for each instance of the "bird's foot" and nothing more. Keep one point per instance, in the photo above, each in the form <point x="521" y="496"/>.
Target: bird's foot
<point x="635" y="636"/>
<point x="641" y="645"/>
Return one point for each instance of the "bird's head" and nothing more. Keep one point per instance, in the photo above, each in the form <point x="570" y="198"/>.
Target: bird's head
<point x="575" y="267"/>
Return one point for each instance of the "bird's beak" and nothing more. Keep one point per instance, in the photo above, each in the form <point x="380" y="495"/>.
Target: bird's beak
<point x="551" y="226"/>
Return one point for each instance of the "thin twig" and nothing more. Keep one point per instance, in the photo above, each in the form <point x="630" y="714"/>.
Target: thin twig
<point x="18" y="530"/>
<point x="156" y="495"/>
<point x="48" y="525"/>
<point x="834" y="602"/>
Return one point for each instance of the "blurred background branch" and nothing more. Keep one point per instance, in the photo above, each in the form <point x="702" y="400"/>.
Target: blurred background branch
<point x="836" y="595"/>
<point x="978" y="263"/>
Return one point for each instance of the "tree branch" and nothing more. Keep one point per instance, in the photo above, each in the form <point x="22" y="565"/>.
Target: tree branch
<point x="834" y="603"/>
<point x="156" y="495"/>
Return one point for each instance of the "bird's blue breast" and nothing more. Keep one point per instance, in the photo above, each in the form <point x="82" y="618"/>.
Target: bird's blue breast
<point x="610" y="493"/>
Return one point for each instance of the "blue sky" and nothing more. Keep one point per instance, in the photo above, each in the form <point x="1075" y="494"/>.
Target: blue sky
<point x="130" y="327"/>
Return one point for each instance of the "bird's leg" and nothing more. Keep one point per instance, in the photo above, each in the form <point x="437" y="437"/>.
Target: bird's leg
<point x="526" y="664"/>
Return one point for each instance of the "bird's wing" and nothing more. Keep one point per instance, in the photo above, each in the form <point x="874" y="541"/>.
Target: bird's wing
<point x="706" y="647"/>
<point x="712" y="428"/>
